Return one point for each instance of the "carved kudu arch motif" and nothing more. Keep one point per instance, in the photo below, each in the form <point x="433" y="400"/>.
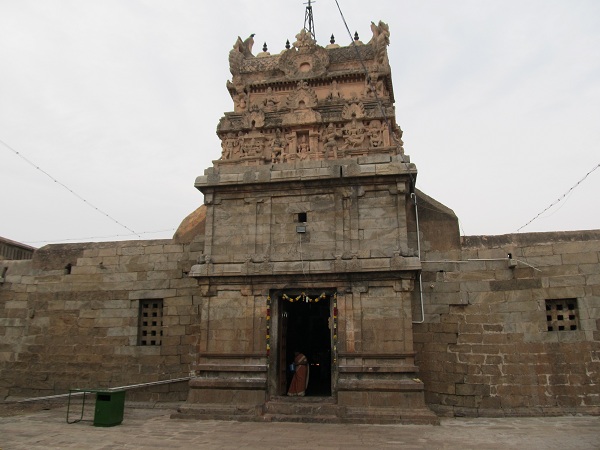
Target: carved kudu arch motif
<point x="302" y="98"/>
<point x="354" y="109"/>
<point x="254" y="118"/>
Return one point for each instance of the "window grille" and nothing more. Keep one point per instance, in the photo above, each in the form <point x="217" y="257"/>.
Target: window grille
<point x="150" y="322"/>
<point x="561" y="314"/>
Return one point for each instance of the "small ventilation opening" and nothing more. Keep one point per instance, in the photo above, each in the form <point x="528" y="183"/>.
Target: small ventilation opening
<point x="561" y="315"/>
<point x="150" y="322"/>
<point x="302" y="217"/>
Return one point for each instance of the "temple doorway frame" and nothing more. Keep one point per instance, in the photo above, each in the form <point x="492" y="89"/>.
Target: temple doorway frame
<point x="315" y="311"/>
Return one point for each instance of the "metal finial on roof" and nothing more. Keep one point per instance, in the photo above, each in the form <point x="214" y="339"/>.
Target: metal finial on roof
<point x="332" y="39"/>
<point x="308" y="18"/>
<point x="356" y="36"/>
<point x="265" y="47"/>
<point x="287" y="44"/>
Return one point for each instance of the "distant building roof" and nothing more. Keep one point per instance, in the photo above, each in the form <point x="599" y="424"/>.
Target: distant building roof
<point x="15" y="250"/>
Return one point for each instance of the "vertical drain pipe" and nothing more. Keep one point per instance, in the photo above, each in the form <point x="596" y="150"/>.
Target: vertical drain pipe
<point x="414" y="197"/>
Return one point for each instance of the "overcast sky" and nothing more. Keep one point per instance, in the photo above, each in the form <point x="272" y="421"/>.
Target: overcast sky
<point x="119" y="100"/>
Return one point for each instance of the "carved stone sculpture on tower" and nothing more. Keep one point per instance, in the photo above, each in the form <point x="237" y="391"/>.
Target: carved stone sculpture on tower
<point x="330" y="137"/>
<point x="304" y="41"/>
<point x="241" y="49"/>
<point x="277" y="148"/>
<point x="380" y="40"/>
<point x="308" y="102"/>
<point x="354" y="133"/>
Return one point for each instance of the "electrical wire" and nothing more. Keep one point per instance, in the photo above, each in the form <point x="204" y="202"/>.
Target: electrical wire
<point x="372" y="86"/>
<point x="561" y="198"/>
<point x="20" y="155"/>
<point x="397" y="142"/>
<point x="395" y="138"/>
<point x="379" y="103"/>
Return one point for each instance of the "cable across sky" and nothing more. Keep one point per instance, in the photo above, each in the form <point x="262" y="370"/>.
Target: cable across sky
<point x="561" y="198"/>
<point x="20" y="155"/>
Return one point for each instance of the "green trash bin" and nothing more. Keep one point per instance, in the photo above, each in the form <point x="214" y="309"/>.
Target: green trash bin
<point x="110" y="406"/>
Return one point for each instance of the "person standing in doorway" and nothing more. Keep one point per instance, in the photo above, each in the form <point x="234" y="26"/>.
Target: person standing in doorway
<point x="300" y="379"/>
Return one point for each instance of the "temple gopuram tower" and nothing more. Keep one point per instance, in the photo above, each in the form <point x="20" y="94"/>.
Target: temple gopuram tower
<point x="310" y="242"/>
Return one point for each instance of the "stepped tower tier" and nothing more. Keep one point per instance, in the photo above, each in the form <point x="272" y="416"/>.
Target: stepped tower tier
<point x="310" y="103"/>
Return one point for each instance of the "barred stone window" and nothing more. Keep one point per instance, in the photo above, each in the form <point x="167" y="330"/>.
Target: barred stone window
<point x="150" y="322"/>
<point x="561" y="314"/>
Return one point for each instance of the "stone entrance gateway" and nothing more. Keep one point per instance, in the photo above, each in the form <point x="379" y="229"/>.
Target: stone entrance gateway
<point x="310" y="243"/>
<point x="306" y="325"/>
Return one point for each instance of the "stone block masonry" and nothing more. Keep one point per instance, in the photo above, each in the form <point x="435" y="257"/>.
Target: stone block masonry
<point x="495" y="354"/>
<point x="70" y="317"/>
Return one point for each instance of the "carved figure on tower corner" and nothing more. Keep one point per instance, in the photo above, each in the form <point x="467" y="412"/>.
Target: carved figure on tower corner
<point x="379" y="87"/>
<point x="381" y="34"/>
<point x="376" y="134"/>
<point x="248" y="43"/>
<point x="228" y="145"/>
<point x="380" y="40"/>
<point x="369" y="89"/>
<point x="241" y="101"/>
<point x="241" y="49"/>
<point x="239" y="145"/>
<point x="397" y="140"/>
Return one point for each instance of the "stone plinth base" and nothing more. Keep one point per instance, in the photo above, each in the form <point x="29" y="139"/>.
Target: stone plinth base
<point x="224" y="398"/>
<point x="244" y="400"/>
<point x="326" y="410"/>
<point x="384" y="401"/>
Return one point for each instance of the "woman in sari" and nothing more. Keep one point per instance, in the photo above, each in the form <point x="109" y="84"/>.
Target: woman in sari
<point x="300" y="379"/>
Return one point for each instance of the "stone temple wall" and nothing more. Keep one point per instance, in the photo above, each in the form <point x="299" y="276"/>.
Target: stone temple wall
<point x="485" y="347"/>
<point x="69" y="318"/>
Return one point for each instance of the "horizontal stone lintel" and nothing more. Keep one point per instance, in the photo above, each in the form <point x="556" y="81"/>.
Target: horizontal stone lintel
<point x="375" y="165"/>
<point x="378" y="369"/>
<point x="376" y="355"/>
<point x="283" y="268"/>
<point x="225" y="383"/>
<point x="230" y="355"/>
<point x="231" y="368"/>
<point x="152" y="294"/>
<point x="369" y="385"/>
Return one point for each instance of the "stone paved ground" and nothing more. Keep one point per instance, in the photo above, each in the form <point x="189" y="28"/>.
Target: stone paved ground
<point x="153" y="429"/>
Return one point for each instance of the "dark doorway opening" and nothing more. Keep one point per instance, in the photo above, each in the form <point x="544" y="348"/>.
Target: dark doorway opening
<point x="306" y="329"/>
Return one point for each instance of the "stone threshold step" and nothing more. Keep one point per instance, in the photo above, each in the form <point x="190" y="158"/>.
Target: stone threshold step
<point x="298" y="409"/>
<point x="301" y="418"/>
<point x="413" y="417"/>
